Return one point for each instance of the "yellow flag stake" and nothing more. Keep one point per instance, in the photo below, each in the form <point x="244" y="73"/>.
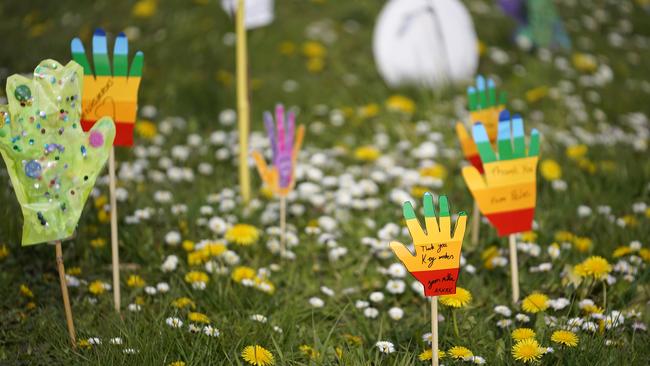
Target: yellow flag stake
<point x="64" y="293"/>
<point x="243" y="106"/>
<point x="434" y="330"/>
<point x="114" y="243"/>
<point x="514" y="268"/>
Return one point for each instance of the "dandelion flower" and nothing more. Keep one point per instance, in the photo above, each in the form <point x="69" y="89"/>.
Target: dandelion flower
<point x="198" y="318"/>
<point x="520" y="334"/>
<point x="385" y="347"/>
<point x="550" y="170"/>
<point x="241" y="273"/>
<point x="257" y="356"/>
<point x="459" y="352"/>
<point x="196" y="276"/>
<point x="527" y="350"/>
<point x="400" y="103"/>
<point x="309" y="351"/>
<point x="135" y="281"/>
<point x="594" y="266"/>
<point x="427" y="354"/>
<point x="183" y="302"/>
<point x="243" y="234"/>
<point x="565" y="337"/>
<point x="96" y="287"/>
<point x="366" y="153"/>
<point x="177" y="363"/>
<point x="535" y="303"/>
<point x="461" y="298"/>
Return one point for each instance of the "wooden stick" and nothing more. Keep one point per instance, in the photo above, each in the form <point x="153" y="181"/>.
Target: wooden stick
<point x="476" y="222"/>
<point x="114" y="243"/>
<point x="283" y="225"/>
<point x="64" y="293"/>
<point x="514" y="268"/>
<point x="243" y="106"/>
<point x="434" y="331"/>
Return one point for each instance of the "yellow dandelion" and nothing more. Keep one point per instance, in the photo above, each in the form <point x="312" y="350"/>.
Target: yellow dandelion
<point x="309" y="351"/>
<point x="197" y="258"/>
<point x="565" y="337"/>
<point x="183" y="302"/>
<point x="419" y="191"/>
<point x="594" y="266"/>
<point x="187" y="245"/>
<point x="146" y="129"/>
<point x="459" y="352"/>
<point x="368" y="110"/>
<point x="145" y="9"/>
<point x="315" y="64"/>
<point x="135" y="281"/>
<point x="73" y="271"/>
<point x="563" y="236"/>
<point x="242" y="272"/>
<point x="576" y="152"/>
<point x="529" y="236"/>
<point x="96" y="287"/>
<point x="527" y="350"/>
<point x="313" y="49"/>
<point x="400" y="103"/>
<point x="25" y="291"/>
<point x="367" y="153"/>
<point x="257" y="356"/>
<point x="83" y="344"/>
<point x="520" y="334"/>
<point x="535" y="303"/>
<point x="488" y="255"/>
<point x="196" y="276"/>
<point x="243" y="234"/>
<point x="550" y="170"/>
<point x="427" y="354"/>
<point x="621" y="251"/>
<point x="177" y="363"/>
<point x="536" y="94"/>
<point x="592" y="309"/>
<point x="584" y="62"/>
<point x="198" y="318"/>
<point x="98" y="243"/>
<point x="434" y="171"/>
<point x="353" y="340"/>
<point x="215" y="248"/>
<point x="645" y="254"/>
<point x="460" y="299"/>
<point x="582" y="244"/>
<point x="4" y="251"/>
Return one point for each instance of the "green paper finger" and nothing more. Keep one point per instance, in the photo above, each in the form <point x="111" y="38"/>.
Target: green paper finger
<point x="533" y="149"/>
<point x="492" y="93"/>
<point x="120" y="55"/>
<point x="504" y="136"/>
<point x="503" y="98"/>
<point x="100" y="54"/>
<point x="444" y="206"/>
<point x="136" y="65"/>
<point x="518" y="137"/>
<point x="472" y="98"/>
<point x="483" y="144"/>
<point x="482" y="91"/>
<point x="408" y="211"/>
<point x="429" y="209"/>
<point x="79" y="55"/>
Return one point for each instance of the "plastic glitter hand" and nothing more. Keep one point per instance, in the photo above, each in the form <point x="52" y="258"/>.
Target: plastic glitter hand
<point x="437" y="252"/>
<point x="483" y="108"/>
<point x="110" y="94"/>
<point x="285" y="144"/>
<point x="507" y="194"/>
<point x="51" y="161"/>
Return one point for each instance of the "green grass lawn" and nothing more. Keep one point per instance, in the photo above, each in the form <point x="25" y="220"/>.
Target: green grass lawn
<point x="181" y="180"/>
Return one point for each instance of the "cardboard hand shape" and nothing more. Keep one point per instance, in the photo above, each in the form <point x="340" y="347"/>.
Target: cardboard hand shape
<point x="507" y="194"/>
<point x="52" y="163"/>
<point x="285" y="146"/>
<point x="110" y="94"/>
<point x="483" y="108"/>
<point x="437" y="252"/>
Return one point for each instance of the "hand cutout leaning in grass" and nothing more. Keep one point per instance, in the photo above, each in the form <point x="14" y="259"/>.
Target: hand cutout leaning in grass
<point x="107" y="93"/>
<point x="51" y="161"/>
<point x="507" y="193"/>
<point x="285" y="144"/>
<point x="483" y="108"/>
<point x="437" y="252"/>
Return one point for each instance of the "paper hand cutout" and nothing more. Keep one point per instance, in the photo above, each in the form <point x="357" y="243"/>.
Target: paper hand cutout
<point x="437" y="252"/>
<point x="483" y="108"/>
<point x="285" y="144"/>
<point x="51" y="161"/>
<point x="110" y="94"/>
<point x="507" y="194"/>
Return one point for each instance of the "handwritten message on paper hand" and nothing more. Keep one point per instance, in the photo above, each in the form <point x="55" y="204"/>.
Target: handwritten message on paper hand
<point x="484" y="108"/>
<point x="437" y="252"/>
<point x="110" y="93"/>
<point x="51" y="161"/>
<point x="285" y="144"/>
<point x="507" y="194"/>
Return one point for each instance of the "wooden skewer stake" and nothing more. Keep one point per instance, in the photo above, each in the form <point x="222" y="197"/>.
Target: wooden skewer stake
<point x="283" y="225"/>
<point x="476" y="222"/>
<point x="514" y="268"/>
<point x="434" y="331"/>
<point x="114" y="243"/>
<point x="64" y="293"/>
<point x="243" y="106"/>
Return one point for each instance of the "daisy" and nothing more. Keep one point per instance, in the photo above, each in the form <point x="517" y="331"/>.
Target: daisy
<point x="174" y="322"/>
<point x="210" y="331"/>
<point x="385" y="347"/>
<point x="257" y="356"/>
<point x="316" y="302"/>
<point x="527" y="350"/>
<point x="395" y="313"/>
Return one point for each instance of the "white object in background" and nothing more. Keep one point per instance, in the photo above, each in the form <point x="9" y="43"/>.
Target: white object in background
<point x="427" y="43"/>
<point x="258" y="12"/>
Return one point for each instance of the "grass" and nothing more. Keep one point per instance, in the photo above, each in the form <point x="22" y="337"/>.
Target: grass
<point x="189" y="72"/>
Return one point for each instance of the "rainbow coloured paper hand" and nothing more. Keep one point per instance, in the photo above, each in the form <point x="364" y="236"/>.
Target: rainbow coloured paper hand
<point x="51" y="161"/>
<point x="507" y="194"/>
<point x="437" y="252"/>
<point x="483" y="108"/>
<point x="280" y="176"/>
<point x="106" y="94"/>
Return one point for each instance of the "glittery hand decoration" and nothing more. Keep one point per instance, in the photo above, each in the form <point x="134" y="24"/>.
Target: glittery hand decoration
<point x="483" y="108"/>
<point x="437" y="252"/>
<point x="110" y="94"/>
<point x="507" y="194"/>
<point x="51" y="161"/>
<point x="285" y="144"/>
